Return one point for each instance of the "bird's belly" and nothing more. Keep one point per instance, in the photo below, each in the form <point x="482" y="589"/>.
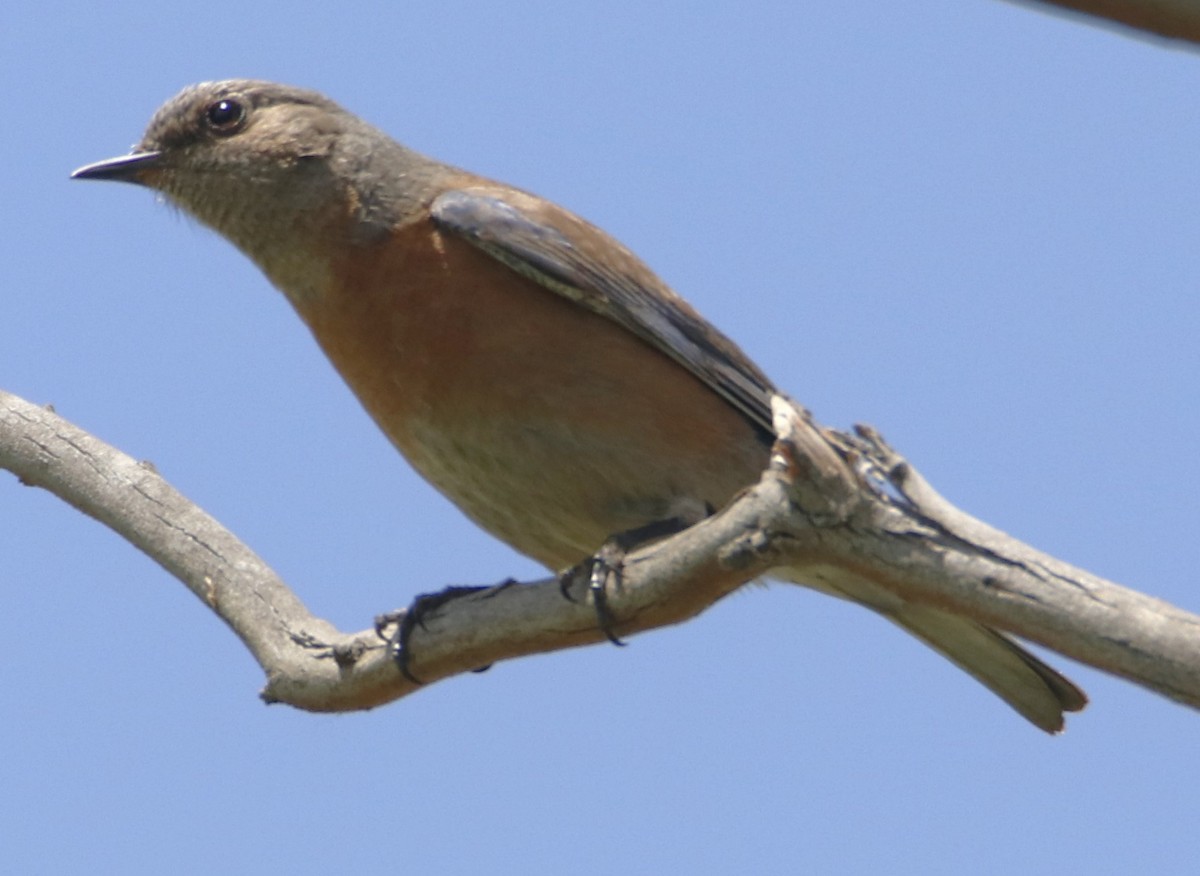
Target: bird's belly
<point x="549" y="425"/>
<point x="555" y="493"/>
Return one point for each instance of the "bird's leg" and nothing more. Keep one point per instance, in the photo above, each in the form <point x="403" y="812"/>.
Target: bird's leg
<point x="407" y="620"/>
<point x="609" y="560"/>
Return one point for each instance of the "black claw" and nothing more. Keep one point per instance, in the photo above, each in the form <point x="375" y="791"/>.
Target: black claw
<point x="609" y="562"/>
<point x="414" y="616"/>
<point x="602" y="568"/>
<point x="574" y="575"/>
<point x="596" y="571"/>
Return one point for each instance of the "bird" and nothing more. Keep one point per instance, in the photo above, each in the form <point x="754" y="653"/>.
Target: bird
<point x="526" y="364"/>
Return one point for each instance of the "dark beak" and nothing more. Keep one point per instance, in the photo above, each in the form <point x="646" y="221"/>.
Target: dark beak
<point x="126" y="168"/>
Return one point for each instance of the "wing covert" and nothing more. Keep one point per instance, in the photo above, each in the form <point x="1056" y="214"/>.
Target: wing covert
<point x="573" y="258"/>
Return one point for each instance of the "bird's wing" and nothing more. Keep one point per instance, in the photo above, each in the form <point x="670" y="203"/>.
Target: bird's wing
<point x="572" y="258"/>
<point x="578" y="261"/>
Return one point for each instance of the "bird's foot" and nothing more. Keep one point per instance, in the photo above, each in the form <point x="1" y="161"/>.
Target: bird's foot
<point x="608" y="564"/>
<point x="408" y="619"/>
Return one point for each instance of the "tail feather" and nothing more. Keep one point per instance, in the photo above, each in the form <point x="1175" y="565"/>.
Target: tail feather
<point x="1033" y="689"/>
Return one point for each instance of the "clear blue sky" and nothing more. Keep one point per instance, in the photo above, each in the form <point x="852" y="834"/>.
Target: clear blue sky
<point x="970" y="224"/>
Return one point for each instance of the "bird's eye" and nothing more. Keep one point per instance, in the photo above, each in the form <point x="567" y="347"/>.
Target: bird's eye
<point x="225" y="116"/>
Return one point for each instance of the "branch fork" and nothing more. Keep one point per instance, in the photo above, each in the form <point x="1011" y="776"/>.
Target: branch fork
<point x="830" y="503"/>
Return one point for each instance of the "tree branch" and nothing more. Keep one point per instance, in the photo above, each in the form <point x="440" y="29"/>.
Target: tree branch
<point x="973" y="569"/>
<point x="830" y="507"/>
<point x="1171" y="19"/>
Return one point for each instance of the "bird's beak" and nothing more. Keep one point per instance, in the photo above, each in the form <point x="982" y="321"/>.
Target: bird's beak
<point x="126" y="168"/>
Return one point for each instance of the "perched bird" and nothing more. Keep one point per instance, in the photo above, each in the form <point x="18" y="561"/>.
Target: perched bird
<point x="525" y="363"/>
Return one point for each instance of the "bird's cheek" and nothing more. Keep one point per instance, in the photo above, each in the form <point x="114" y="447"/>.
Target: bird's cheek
<point x="150" y="177"/>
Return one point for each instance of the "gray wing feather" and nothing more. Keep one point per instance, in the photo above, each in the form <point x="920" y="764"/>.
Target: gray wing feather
<point x="568" y="256"/>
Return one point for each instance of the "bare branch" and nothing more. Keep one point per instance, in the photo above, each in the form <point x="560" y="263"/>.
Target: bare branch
<point x="973" y="569"/>
<point x="1172" y="19"/>
<point x="831" y="508"/>
<point x="309" y="663"/>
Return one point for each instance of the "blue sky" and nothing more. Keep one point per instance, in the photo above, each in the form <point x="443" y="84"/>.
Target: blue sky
<point x="970" y="224"/>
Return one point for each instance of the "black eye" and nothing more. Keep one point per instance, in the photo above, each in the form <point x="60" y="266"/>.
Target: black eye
<point x="225" y="116"/>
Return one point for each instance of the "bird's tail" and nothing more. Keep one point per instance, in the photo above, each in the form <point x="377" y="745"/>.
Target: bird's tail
<point x="1032" y="688"/>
